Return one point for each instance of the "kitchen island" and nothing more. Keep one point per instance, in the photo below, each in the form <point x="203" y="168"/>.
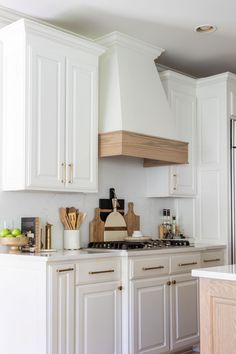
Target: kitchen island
<point x="217" y="309"/>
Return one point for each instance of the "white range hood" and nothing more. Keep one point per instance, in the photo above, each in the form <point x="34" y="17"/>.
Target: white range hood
<point x="132" y="100"/>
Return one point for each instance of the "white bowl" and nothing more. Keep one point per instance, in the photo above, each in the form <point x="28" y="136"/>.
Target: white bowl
<point x="137" y="233"/>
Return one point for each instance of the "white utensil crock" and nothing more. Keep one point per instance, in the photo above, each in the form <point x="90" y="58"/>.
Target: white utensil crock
<point x="71" y="239"/>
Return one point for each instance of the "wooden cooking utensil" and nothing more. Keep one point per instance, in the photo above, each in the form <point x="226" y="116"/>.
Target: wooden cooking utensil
<point x="73" y="219"/>
<point x="73" y="210"/>
<point x="64" y="218"/>
<point x="96" y="228"/>
<point x="132" y="220"/>
<point x="80" y="218"/>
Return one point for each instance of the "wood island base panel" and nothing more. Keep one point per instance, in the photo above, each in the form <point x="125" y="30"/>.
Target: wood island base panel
<point x="217" y="316"/>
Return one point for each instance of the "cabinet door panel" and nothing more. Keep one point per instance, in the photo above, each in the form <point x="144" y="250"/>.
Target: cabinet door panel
<point x="149" y="331"/>
<point x="183" y="177"/>
<point x="184" y="312"/>
<point x="81" y="126"/>
<point x="47" y="116"/>
<point x="61" y="317"/>
<point x="98" y="319"/>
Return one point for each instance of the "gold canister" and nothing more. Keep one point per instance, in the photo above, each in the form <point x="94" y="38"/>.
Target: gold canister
<point x="48" y="236"/>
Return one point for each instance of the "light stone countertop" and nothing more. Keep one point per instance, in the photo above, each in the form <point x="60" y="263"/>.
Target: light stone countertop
<point x="226" y="272"/>
<point x="85" y="253"/>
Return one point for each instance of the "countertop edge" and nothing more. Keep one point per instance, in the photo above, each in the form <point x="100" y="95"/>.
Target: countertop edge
<point x="227" y="272"/>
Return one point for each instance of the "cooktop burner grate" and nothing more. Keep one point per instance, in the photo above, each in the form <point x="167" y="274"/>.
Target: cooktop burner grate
<point x="129" y="245"/>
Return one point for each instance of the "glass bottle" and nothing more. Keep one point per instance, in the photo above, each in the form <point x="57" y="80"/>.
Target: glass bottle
<point x="173" y="226"/>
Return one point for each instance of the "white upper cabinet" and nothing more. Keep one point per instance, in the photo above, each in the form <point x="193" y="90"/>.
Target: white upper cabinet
<point x="179" y="180"/>
<point x="216" y="105"/>
<point x="49" y="109"/>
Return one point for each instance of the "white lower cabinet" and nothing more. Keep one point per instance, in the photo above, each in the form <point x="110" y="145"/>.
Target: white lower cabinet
<point x="61" y="305"/>
<point x="98" y="319"/>
<point x="184" y="311"/>
<point x="164" y="314"/>
<point x="149" y="331"/>
<point x="98" y="306"/>
<point x="163" y="300"/>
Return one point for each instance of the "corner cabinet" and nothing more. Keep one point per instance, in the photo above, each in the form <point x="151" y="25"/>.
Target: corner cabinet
<point x="179" y="180"/>
<point x="50" y="89"/>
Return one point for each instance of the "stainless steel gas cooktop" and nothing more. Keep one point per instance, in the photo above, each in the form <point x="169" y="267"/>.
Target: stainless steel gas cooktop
<point x="131" y="245"/>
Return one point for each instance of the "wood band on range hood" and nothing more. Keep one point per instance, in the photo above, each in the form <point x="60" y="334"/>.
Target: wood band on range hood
<point x="155" y="151"/>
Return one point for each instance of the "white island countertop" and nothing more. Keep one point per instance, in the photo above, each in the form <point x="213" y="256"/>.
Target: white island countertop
<point x="226" y="272"/>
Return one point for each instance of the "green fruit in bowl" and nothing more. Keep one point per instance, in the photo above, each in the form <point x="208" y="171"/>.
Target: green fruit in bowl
<point x="5" y="233"/>
<point x="16" y="232"/>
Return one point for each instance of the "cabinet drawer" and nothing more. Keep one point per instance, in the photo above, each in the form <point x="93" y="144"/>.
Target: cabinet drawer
<point x="184" y="263"/>
<point x="148" y="267"/>
<point x="98" y="271"/>
<point x="212" y="259"/>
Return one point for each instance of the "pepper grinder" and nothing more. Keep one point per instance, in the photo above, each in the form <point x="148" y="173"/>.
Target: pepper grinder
<point x="48" y="236"/>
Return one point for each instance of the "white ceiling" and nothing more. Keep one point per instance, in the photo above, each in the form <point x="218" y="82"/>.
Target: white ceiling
<point x="165" y="23"/>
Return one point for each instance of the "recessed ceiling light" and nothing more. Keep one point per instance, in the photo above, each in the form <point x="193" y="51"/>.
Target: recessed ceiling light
<point x="205" y="29"/>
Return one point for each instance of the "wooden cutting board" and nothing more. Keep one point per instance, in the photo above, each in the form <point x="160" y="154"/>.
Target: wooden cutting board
<point x="96" y="228"/>
<point x="132" y="220"/>
<point x="115" y="226"/>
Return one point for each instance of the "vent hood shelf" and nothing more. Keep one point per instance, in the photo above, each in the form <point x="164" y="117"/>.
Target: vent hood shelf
<point x="154" y="150"/>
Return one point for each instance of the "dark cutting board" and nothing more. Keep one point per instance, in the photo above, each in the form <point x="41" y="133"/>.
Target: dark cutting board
<point x="106" y="207"/>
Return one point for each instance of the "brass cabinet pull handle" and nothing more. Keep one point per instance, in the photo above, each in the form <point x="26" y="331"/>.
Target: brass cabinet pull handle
<point x="65" y="270"/>
<point x="211" y="260"/>
<point x="173" y="282"/>
<point x="71" y="172"/>
<point x="186" y="264"/>
<point x="151" y="268"/>
<point x="103" y="271"/>
<point x="63" y="165"/>
<point x="168" y="283"/>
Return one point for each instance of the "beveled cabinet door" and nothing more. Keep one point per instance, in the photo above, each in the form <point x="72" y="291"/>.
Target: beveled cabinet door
<point x="98" y="319"/>
<point x="183" y="177"/>
<point x="46" y="103"/>
<point x="149" y="327"/>
<point x="61" y="309"/>
<point x="184" y="302"/>
<point x="81" y="122"/>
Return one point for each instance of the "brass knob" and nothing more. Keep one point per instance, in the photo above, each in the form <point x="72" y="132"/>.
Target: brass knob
<point x="168" y="283"/>
<point x="173" y="282"/>
<point x="120" y="287"/>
